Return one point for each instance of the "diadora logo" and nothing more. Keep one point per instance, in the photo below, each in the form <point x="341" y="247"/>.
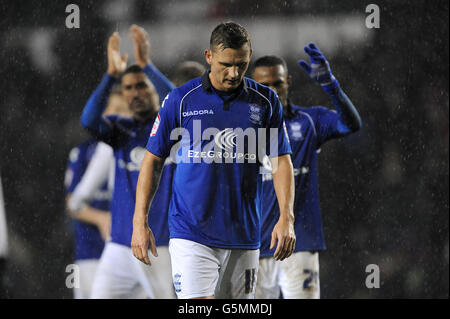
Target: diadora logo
<point x="137" y="155"/>
<point x="225" y="139"/>
<point x="198" y="112"/>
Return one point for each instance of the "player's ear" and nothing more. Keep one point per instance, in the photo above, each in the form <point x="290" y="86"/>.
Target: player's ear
<point x="208" y="56"/>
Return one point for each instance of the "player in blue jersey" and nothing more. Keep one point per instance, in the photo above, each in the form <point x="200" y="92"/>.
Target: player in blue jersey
<point x="119" y="274"/>
<point x="91" y="222"/>
<point x="211" y="125"/>
<point x="308" y="129"/>
<point x="92" y="218"/>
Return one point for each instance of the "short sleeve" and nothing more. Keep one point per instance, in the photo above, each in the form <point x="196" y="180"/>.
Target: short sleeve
<point x="160" y="141"/>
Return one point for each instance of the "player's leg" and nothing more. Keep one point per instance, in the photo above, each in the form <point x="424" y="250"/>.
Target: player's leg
<point x="195" y="268"/>
<point x="115" y="277"/>
<point x="88" y="269"/>
<point x="239" y="275"/>
<point x="268" y="277"/>
<point x="299" y="276"/>
<point x="157" y="278"/>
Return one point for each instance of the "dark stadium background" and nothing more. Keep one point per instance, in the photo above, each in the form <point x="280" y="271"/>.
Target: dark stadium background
<point x="384" y="191"/>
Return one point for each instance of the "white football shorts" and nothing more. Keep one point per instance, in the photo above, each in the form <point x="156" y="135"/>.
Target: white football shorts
<point x="121" y="275"/>
<point x="297" y="277"/>
<point x="87" y="269"/>
<point x="203" y="271"/>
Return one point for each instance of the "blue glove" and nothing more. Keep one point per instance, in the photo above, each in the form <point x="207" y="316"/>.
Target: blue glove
<point x="319" y="70"/>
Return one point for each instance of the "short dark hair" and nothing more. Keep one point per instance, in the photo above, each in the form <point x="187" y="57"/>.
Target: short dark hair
<point x="270" y="60"/>
<point x="134" y="68"/>
<point x="186" y="71"/>
<point x="229" y="35"/>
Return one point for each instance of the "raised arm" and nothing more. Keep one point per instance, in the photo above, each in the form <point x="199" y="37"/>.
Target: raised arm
<point x="91" y="118"/>
<point x="283" y="181"/>
<point x="319" y="70"/>
<point x="142" y="52"/>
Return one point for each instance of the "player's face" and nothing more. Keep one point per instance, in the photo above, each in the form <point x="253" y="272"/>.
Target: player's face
<point x="140" y="94"/>
<point x="274" y="77"/>
<point x="117" y="105"/>
<point x="228" y="66"/>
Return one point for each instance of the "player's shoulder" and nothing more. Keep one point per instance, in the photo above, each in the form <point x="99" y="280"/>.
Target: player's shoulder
<point x="260" y="89"/>
<point x="312" y="111"/>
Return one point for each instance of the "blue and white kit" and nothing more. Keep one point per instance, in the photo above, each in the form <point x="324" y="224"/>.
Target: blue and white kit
<point x="120" y="275"/>
<point x="128" y="138"/>
<point x="215" y="198"/>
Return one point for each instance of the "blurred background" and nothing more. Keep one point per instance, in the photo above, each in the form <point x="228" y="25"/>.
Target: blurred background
<point x="384" y="190"/>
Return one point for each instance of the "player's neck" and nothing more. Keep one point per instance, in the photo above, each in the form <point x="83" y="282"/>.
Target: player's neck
<point x="144" y="116"/>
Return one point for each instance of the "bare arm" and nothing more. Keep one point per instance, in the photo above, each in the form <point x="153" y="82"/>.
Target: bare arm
<point x="142" y="234"/>
<point x="283" y="232"/>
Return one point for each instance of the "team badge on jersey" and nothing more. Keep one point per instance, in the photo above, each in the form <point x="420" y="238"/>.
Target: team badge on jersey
<point x="255" y="114"/>
<point x="296" y="129"/>
<point x="155" y="125"/>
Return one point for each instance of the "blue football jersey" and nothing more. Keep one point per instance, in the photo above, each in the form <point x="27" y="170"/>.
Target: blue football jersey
<point x="216" y="194"/>
<point x="88" y="241"/>
<point x="128" y="138"/>
<point x="308" y="128"/>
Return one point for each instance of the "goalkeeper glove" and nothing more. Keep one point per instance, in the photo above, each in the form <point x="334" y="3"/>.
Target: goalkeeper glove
<point x="319" y="70"/>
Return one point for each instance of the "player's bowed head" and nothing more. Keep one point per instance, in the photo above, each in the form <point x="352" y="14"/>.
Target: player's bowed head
<point x="229" y="56"/>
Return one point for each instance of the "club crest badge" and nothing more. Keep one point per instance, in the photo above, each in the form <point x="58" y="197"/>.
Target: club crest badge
<point x="255" y="114"/>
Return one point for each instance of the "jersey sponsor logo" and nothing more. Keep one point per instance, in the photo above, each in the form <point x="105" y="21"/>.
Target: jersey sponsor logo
<point x="297" y="171"/>
<point x="102" y="195"/>
<point x="225" y="139"/>
<point x="198" y="112"/>
<point x="136" y="156"/>
<point x="234" y="145"/>
<point x="155" y="125"/>
<point x="222" y="155"/>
